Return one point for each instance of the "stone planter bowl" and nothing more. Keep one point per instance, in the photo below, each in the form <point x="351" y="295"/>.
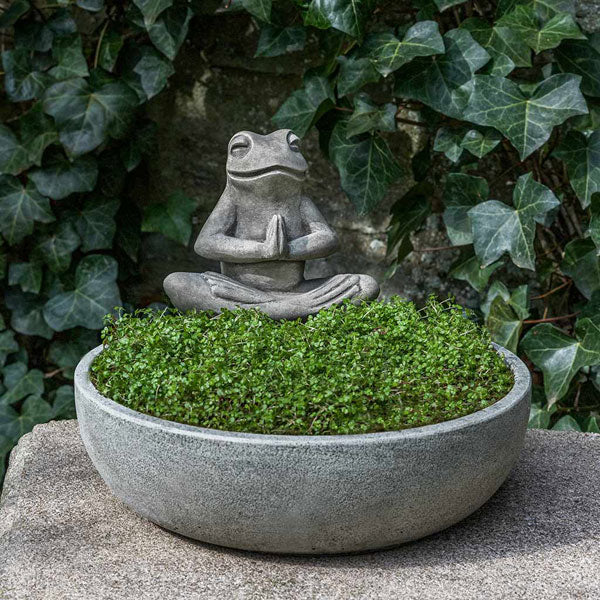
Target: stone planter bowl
<point x="303" y="494"/>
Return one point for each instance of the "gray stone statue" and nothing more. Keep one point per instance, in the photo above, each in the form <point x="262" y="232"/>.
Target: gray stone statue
<point x="263" y="230"/>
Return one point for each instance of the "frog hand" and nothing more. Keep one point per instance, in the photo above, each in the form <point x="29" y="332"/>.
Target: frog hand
<point x="226" y="288"/>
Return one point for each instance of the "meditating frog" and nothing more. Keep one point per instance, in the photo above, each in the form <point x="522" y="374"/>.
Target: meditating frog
<point x="263" y="230"/>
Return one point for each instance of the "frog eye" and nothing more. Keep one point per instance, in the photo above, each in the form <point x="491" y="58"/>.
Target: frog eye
<point x="239" y="146"/>
<point x="293" y="141"/>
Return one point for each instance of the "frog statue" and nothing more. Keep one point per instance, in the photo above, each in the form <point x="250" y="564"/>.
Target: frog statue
<point x="263" y="230"/>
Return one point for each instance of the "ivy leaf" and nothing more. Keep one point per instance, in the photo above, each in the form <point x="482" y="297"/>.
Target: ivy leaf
<point x="13" y="13"/>
<point x="354" y="73"/>
<point x="62" y="178"/>
<point x="67" y="353"/>
<point x="68" y="53"/>
<point x="172" y="218"/>
<point x="37" y="133"/>
<point x="55" y="248"/>
<point x="151" y="9"/>
<point x="449" y="142"/>
<point x="95" y="223"/>
<point x="348" y="16"/>
<point x="537" y="35"/>
<point x="566" y="423"/>
<point x="91" y="5"/>
<point x="368" y="116"/>
<point x="8" y="345"/>
<point x="526" y="120"/>
<point x="305" y="105"/>
<point x="367" y="166"/>
<point x="33" y="412"/>
<point x="388" y="53"/>
<point x="21" y="81"/>
<point x="518" y="300"/>
<point x="480" y="143"/>
<point x="150" y="72"/>
<point x="439" y="81"/>
<point x="168" y="32"/>
<point x="275" y="41"/>
<point x="19" y="206"/>
<point x="261" y="9"/>
<point x="560" y="356"/>
<point x="505" y="318"/>
<point x="444" y="4"/>
<point x="20" y="382"/>
<point x="583" y="59"/>
<point x="408" y="214"/>
<point x="13" y="156"/>
<point x="539" y="418"/>
<point x="581" y="155"/>
<point x="580" y="263"/>
<point x="26" y="313"/>
<point x="461" y="193"/>
<point x="594" y="227"/>
<point x="467" y="268"/>
<point x="86" y="116"/>
<point x="504" y="45"/>
<point x="96" y="293"/>
<point x="110" y="47"/>
<point x="63" y="405"/>
<point x="28" y="275"/>
<point x="498" y="228"/>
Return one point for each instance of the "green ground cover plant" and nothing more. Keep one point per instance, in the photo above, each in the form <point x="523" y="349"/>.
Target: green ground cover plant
<point x="351" y="369"/>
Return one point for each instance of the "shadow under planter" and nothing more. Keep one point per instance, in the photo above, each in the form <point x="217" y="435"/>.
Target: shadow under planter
<point x="303" y="494"/>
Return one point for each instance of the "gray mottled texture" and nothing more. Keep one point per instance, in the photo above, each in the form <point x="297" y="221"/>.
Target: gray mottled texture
<point x="262" y="231"/>
<point x="63" y="536"/>
<point x="303" y="494"/>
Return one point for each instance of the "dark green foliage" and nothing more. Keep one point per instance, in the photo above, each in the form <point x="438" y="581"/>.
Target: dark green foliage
<point x="75" y="130"/>
<point x="350" y="369"/>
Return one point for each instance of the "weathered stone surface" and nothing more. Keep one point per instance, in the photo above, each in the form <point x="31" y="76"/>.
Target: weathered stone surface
<point x="588" y="15"/>
<point x="63" y="536"/>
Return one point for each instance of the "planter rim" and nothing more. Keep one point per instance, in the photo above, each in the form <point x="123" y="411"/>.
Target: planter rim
<point x="521" y="387"/>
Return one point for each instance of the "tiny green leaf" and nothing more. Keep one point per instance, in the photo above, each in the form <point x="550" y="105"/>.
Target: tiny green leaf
<point x="55" y="248"/>
<point x="355" y="72"/>
<point x="110" y="47"/>
<point x="68" y="52"/>
<point x="150" y="9"/>
<point x="26" y="313"/>
<point x="480" y="143"/>
<point x="582" y="57"/>
<point x="168" y="32"/>
<point x="28" y="275"/>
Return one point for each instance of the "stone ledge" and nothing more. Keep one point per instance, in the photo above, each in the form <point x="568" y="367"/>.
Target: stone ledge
<point x="63" y="536"/>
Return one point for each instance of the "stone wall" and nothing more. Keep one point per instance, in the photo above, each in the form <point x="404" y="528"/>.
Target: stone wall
<point x="219" y="89"/>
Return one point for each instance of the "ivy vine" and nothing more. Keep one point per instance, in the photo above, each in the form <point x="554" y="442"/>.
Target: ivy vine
<point x="505" y="97"/>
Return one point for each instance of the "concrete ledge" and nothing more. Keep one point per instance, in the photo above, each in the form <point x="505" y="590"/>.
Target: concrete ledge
<point x="63" y="536"/>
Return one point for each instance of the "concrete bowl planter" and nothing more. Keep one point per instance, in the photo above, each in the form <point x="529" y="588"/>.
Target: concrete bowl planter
<point x="303" y="494"/>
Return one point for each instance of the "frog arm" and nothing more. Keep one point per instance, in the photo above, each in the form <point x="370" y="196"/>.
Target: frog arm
<point x="321" y="240"/>
<point x="214" y="241"/>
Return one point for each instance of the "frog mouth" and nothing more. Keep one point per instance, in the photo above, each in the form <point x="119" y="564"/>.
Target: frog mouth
<point x="274" y="170"/>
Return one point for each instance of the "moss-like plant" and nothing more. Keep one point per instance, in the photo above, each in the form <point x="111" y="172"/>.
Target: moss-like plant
<point x="349" y="369"/>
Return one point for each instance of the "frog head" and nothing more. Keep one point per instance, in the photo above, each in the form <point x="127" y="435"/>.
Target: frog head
<point x="254" y="158"/>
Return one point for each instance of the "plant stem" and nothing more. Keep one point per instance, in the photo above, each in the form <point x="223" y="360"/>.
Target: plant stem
<point x="97" y="54"/>
<point x="549" y="319"/>
<point x="559" y="287"/>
